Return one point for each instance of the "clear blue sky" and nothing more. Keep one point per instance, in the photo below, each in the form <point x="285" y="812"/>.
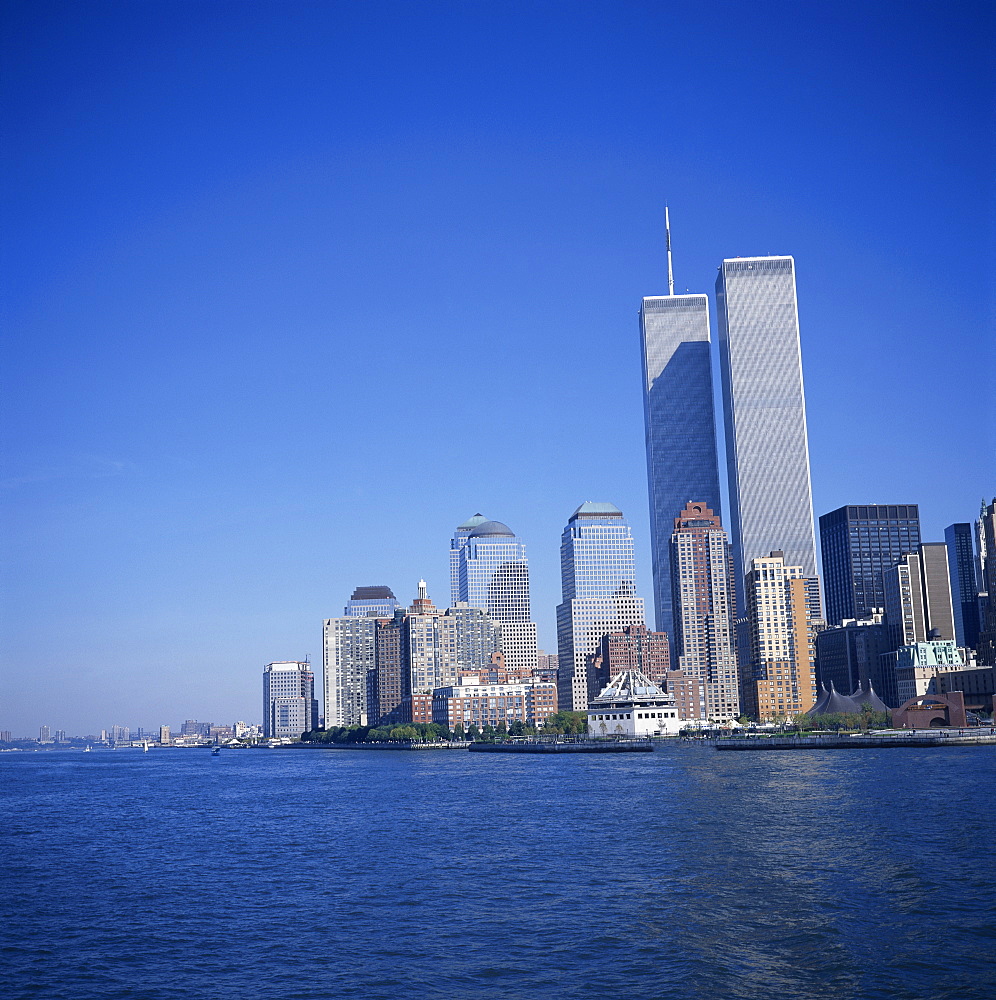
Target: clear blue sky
<point x="291" y="289"/>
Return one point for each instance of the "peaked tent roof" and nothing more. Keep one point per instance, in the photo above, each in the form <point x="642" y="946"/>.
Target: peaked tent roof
<point x="628" y="685"/>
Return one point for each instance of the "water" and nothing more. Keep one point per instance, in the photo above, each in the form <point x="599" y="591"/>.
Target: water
<point x="685" y="873"/>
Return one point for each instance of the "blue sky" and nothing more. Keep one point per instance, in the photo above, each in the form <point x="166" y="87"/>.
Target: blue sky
<point x="291" y="289"/>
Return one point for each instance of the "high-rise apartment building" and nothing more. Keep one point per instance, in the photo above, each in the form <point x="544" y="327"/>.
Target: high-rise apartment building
<point x="767" y="450"/>
<point x="962" y="568"/>
<point x="44" y="734"/>
<point x="425" y="648"/>
<point x="492" y="574"/>
<point x="598" y="576"/>
<point x="679" y="420"/>
<point x="289" y="705"/>
<point x="859" y="543"/>
<point x="783" y="611"/>
<point x="704" y="602"/>
<point x="348" y="645"/>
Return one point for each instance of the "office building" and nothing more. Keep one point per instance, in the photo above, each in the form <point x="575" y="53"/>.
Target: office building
<point x="194" y="728"/>
<point x="598" y="578"/>
<point x="859" y="543"/>
<point x="918" y="596"/>
<point x="492" y="574"/>
<point x="457" y="542"/>
<point x="783" y="613"/>
<point x="680" y="424"/>
<point x="289" y="704"/>
<point x="371" y="602"/>
<point x="962" y="569"/>
<point x="164" y="734"/>
<point x="767" y="449"/>
<point x="986" y="529"/>
<point x="704" y="602"/>
<point x="848" y="656"/>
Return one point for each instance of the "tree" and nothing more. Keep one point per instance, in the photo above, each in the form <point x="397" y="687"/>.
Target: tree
<point x="489" y="733"/>
<point x="458" y="731"/>
<point x="473" y="732"/>
<point x="518" y="728"/>
<point x="404" y="733"/>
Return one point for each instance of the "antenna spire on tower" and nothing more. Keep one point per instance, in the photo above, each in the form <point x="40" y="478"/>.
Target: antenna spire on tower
<point x="667" y="242"/>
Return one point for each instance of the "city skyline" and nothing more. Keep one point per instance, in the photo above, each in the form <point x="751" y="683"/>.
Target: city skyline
<point x="278" y="322"/>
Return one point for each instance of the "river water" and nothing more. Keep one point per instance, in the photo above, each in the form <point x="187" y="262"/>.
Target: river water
<point x="685" y="873"/>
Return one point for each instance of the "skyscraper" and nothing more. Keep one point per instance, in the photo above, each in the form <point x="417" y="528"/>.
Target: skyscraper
<point x="366" y="602"/>
<point x="860" y="542"/>
<point x="783" y="609"/>
<point x="679" y="421"/>
<point x="348" y="655"/>
<point x="918" y="596"/>
<point x="289" y="705"/>
<point x="704" y="602"/>
<point x="457" y="542"/>
<point x="492" y="574"/>
<point x="986" y="532"/>
<point x="959" y="539"/>
<point x="767" y="451"/>
<point x="598" y="575"/>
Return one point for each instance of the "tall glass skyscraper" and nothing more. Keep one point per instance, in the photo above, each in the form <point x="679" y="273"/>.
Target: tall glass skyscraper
<point x="680" y="425"/>
<point x="960" y="540"/>
<point x="598" y="573"/>
<point x="859" y="543"/>
<point x="767" y="450"/>
<point x="492" y="574"/>
<point x="457" y="542"/>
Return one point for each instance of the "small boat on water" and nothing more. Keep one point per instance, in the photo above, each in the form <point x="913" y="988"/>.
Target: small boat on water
<point x="216" y="751"/>
<point x="87" y="749"/>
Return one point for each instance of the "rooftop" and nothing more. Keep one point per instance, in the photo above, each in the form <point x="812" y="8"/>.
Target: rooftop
<point x="490" y="528"/>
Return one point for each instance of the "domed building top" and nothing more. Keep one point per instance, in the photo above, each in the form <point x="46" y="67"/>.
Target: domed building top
<point x="472" y="522"/>
<point x="489" y="528"/>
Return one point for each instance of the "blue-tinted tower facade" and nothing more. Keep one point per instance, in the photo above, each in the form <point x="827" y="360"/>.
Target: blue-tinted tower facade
<point x="680" y="425"/>
<point x="964" y="583"/>
<point x="859" y="543"/>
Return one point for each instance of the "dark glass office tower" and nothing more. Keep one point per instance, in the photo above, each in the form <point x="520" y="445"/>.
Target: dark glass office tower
<point x="964" y="583"/>
<point x="858" y="544"/>
<point x="682" y="465"/>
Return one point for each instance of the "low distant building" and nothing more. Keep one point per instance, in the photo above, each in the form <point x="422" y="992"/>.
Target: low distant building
<point x="4" y="736"/>
<point x="194" y="728"/>
<point x="689" y="693"/>
<point x="631" y="704"/>
<point x="529" y="701"/>
<point x="978" y="685"/>
<point x="289" y="705"/>
<point x="916" y="666"/>
<point x="218" y="734"/>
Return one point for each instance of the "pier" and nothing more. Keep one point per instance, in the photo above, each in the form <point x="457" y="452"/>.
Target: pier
<point x="565" y="746"/>
<point x="862" y="741"/>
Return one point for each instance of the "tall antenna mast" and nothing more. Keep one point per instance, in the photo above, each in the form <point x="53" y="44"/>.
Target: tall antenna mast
<point x="667" y="241"/>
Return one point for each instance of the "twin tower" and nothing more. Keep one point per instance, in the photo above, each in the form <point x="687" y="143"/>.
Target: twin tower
<point x="764" y="411"/>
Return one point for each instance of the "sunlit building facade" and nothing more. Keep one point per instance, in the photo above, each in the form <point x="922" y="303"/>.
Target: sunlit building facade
<point x="598" y="576"/>
<point x="704" y="601"/>
<point x="492" y="574"/>
<point x="767" y="449"/>
<point x="679" y="422"/>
